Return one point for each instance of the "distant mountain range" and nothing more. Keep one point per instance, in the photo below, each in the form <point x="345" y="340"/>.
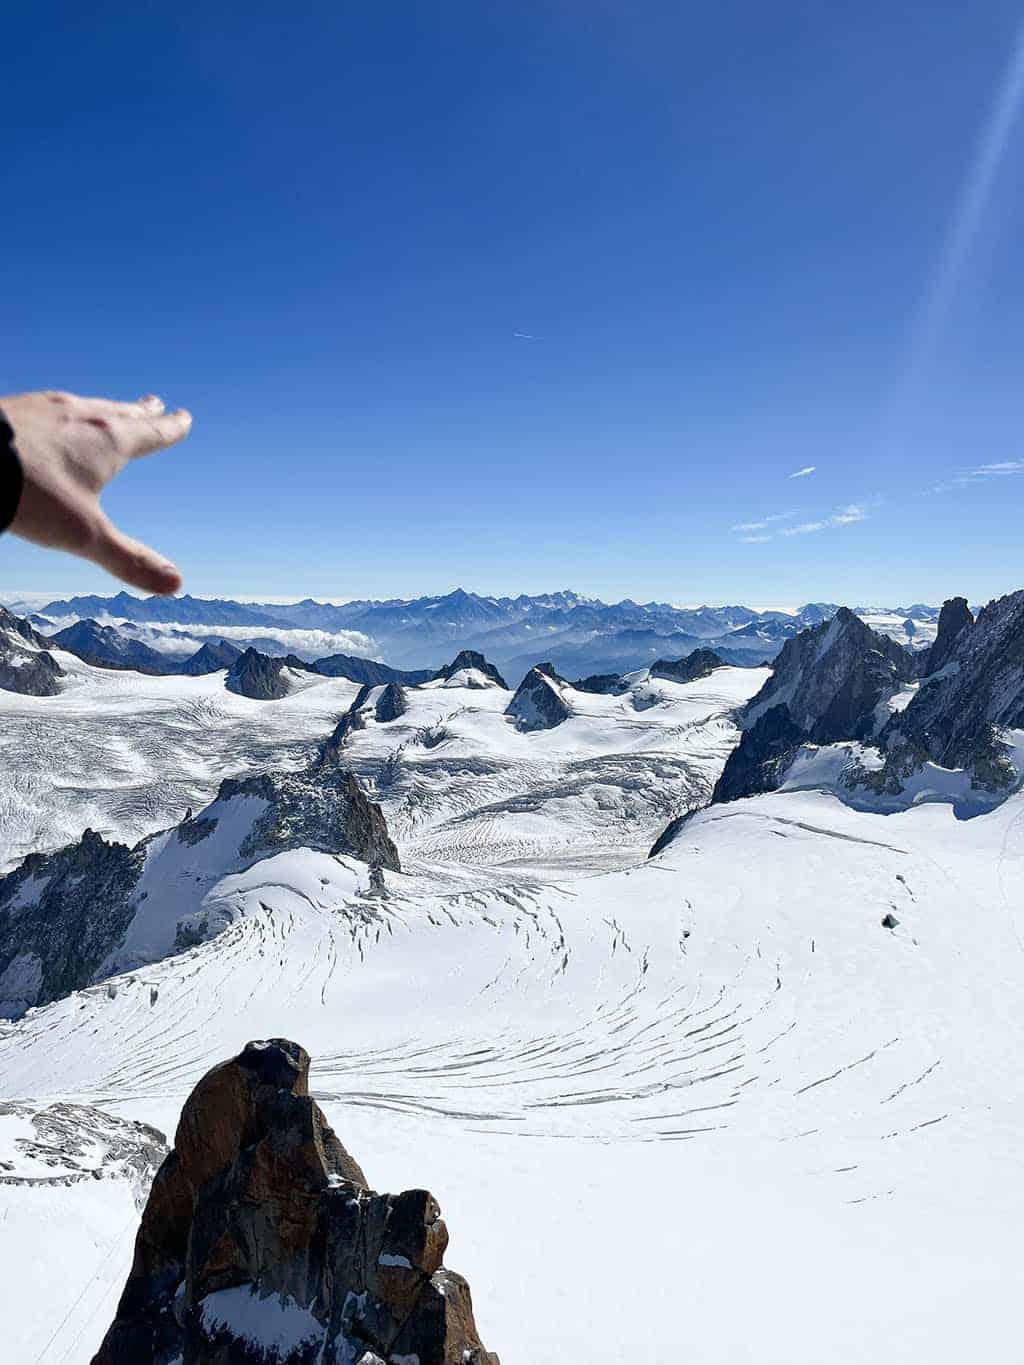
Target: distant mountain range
<point x="578" y="635"/>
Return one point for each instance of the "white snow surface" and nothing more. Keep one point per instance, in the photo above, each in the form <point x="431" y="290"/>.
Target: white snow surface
<point x="126" y="754"/>
<point x="274" y="1323"/>
<point x="703" y="1107"/>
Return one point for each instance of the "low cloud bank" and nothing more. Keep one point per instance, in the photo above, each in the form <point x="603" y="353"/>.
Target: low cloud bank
<point x="182" y="640"/>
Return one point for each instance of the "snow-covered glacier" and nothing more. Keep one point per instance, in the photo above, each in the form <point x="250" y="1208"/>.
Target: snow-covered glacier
<point x="756" y="1098"/>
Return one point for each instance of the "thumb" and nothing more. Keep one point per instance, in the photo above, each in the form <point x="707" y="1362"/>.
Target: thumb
<point x="132" y="561"/>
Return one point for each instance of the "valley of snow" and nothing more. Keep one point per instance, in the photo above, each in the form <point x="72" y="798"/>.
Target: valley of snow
<point x="127" y="754"/>
<point x="701" y="1108"/>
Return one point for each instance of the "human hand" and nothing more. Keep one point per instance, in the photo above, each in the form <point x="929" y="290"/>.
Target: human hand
<point x="70" y="448"/>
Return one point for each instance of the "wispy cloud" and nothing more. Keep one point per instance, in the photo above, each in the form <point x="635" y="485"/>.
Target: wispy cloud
<point x="843" y="516"/>
<point x="755" y="540"/>
<point x="996" y="470"/>
<point x="527" y="336"/>
<point x="763" y="524"/>
<point x="802" y="473"/>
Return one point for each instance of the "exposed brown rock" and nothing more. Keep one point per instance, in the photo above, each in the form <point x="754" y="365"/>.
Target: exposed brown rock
<point x="260" y="1230"/>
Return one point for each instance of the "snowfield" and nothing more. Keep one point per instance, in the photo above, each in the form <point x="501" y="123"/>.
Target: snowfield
<point x="705" y="1107"/>
<point x="126" y="754"/>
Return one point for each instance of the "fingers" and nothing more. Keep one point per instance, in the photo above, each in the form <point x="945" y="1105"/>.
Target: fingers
<point x="154" y="432"/>
<point x="82" y="407"/>
<point x="132" y="561"/>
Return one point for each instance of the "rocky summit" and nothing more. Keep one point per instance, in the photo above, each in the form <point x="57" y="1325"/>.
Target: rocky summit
<point x="261" y="1243"/>
<point x="93" y="909"/>
<point x="832" y="677"/>
<point x="261" y="676"/>
<point x="539" y="702"/>
<point x="701" y="663"/>
<point x="829" y="683"/>
<point x="106" y="647"/>
<point x="470" y="663"/>
<point x="954" y="618"/>
<point x="210" y="658"/>
<point x="977" y="691"/>
<point x="26" y="664"/>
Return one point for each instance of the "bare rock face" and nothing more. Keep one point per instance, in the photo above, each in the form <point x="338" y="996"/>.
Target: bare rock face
<point x="539" y="702"/>
<point x="470" y="660"/>
<point x="954" y="618"/>
<point x="261" y="676"/>
<point x="701" y="663"/>
<point x="60" y="915"/>
<point x="67" y="1144"/>
<point x="26" y="665"/>
<point x="966" y="701"/>
<point x="391" y="703"/>
<point x="262" y="1245"/>
<point x="64" y="916"/>
<point x="832" y="677"/>
<point x="600" y="684"/>
<point x="210" y="658"/>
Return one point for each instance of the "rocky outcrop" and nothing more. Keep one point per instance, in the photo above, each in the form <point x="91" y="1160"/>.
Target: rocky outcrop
<point x="261" y="1243"/>
<point x="600" y="684"/>
<point x="66" y="1144"/>
<point x="60" y="916"/>
<point x="322" y="808"/>
<point x="829" y="683"/>
<point x="956" y="718"/>
<point x="384" y="704"/>
<point x="211" y="658"/>
<point x="954" y="618"/>
<point x="699" y="664"/>
<point x="761" y="755"/>
<point x="539" y="702"/>
<point x="26" y="664"/>
<point x="66" y="917"/>
<point x="835" y="685"/>
<point x="368" y="671"/>
<point x="469" y="661"/>
<point x="832" y="678"/>
<point x="107" y="647"/>
<point x="261" y="676"/>
<point x="391" y="703"/>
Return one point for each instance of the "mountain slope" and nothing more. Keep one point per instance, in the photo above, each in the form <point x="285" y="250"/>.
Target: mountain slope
<point x="106" y="647"/>
<point x="580" y="635"/>
<point x="795" y="1093"/>
<point x="26" y="664"/>
<point x="95" y="909"/>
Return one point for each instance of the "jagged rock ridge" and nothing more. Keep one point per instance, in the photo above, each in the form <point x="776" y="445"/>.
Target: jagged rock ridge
<point x="67" y="919"/>
<point x="260" y="1216"/>
<point x="954" y="618"/>
<point x="107" y="647"/>
<point x="261" y="676"/>
<point x="977" y="691"/>
<point x="539" y="702"/>
<point x="470" y="661"/>
<point x="210" y="657"/>
<point x="369" y="671"/>
<point x="829" y="683"/>
<point x="701" y="663"/>
<point x="26" y="664"/>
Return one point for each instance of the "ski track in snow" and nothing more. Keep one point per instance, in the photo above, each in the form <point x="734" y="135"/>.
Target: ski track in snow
<point x="717" y="1055"/>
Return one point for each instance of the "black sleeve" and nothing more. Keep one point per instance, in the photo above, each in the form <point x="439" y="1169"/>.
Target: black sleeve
<point x="11" y="477"/>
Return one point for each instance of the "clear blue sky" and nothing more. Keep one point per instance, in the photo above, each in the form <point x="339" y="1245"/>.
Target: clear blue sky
<point x="745" y="238"/>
